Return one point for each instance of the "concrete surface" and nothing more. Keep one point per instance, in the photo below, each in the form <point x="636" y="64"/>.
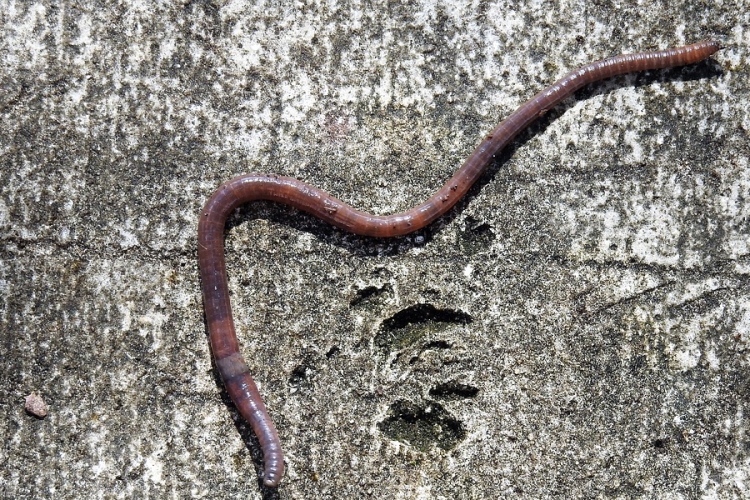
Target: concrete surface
<point x="579" y="327"/>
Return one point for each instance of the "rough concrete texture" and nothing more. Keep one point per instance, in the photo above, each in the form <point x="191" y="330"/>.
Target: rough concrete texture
<point x="579" y="327"/>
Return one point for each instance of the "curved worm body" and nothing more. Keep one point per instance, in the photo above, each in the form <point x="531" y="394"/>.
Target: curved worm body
<point x="240" y="190"/>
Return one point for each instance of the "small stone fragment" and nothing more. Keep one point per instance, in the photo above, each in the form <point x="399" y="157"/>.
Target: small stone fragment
<point x="36" y="406"/>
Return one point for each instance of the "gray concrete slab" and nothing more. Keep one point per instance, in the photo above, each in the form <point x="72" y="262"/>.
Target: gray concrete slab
<point x="577" y="328"/>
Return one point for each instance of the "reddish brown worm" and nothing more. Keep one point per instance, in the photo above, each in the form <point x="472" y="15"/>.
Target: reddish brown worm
<point x="240" y="190"/>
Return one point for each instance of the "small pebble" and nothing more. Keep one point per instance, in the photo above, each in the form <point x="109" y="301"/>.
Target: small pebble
<point x="36" y="406"/>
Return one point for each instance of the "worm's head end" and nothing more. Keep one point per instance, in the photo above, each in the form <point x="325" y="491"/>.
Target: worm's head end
<point x="271" y="479"/>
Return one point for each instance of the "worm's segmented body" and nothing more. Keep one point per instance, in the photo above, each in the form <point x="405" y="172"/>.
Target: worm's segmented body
<point x="241" y="190"/>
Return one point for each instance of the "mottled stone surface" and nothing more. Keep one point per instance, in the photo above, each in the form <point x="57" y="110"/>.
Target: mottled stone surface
<point x="578" y="328"/>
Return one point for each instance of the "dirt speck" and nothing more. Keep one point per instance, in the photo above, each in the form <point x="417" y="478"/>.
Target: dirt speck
<point x="35" y="406"/>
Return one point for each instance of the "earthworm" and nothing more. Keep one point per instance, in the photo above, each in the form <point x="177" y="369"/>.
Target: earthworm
<point x="241" y="190"/>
